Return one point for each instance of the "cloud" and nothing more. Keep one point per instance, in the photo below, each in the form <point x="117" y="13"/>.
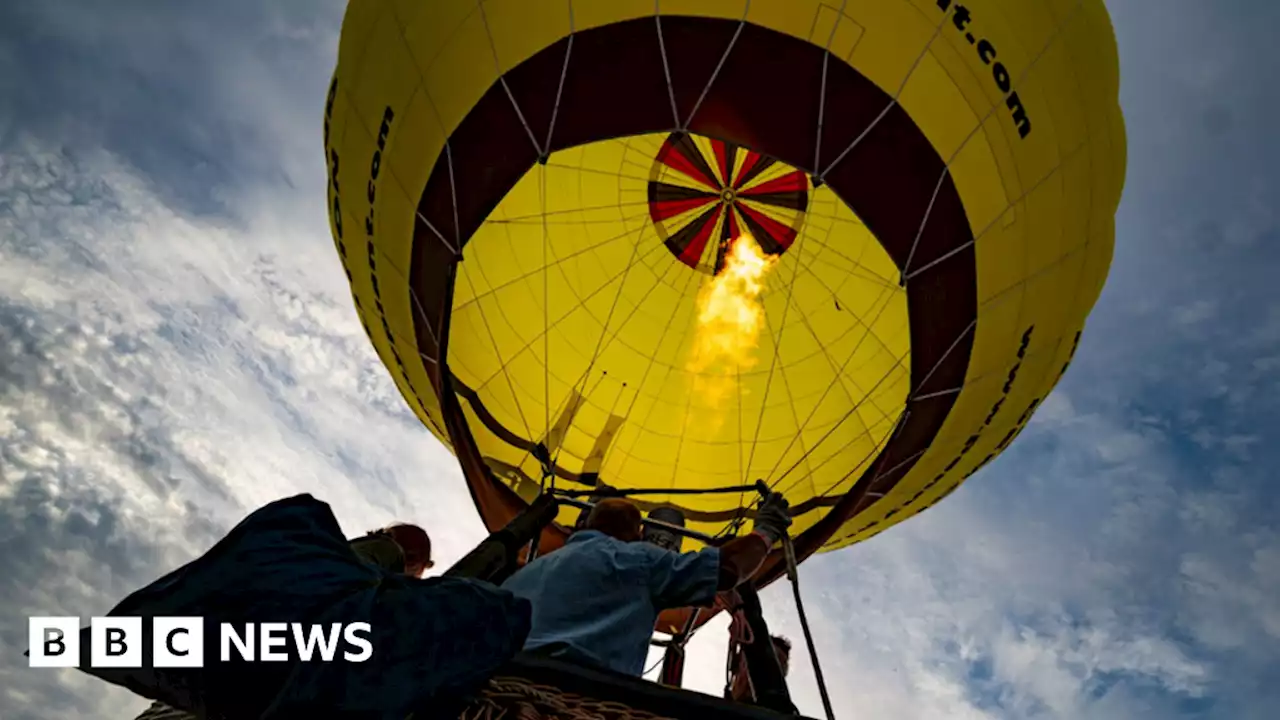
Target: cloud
<point x="197" y="102"/>
<point x="160" y="376"/>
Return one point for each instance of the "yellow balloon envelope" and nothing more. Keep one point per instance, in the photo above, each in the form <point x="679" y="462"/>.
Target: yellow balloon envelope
<point x="541" y="205"/>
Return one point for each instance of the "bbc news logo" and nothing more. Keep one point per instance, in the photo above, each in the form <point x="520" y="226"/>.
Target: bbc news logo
<point x="178" y="642"/>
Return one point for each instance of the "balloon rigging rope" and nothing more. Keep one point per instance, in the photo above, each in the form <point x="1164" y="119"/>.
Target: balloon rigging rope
<point x="739" y="635"/>
<point x="544" y="158"/>
<point x="909" y="274"/>
<point x="666" y="67"/>
<point x="484" y="317"/>
<point x="581" y="301"/>
<point x="635" y="398"/>
<point x="684" y="127"/>
<point x="902" y="86"/>
<point x="601" y="346"/>
<point x="623" y="492"/>
<point x="822" y="95"/>
<point x="502" y="78"/>
<point x="786" y="308"/>
<point x="968" y="329"/>
<point x="564" y="71"/>
<point x="637" y="257"/>
<point x="982" y="233"/>
<point x="549" y="463"/>
<point x="773" y="361"/>
<point x="654" y="666"/>
<point x="548" y="470"/>
<point x="548" y="467"/>
<point x="803" y="234"/>
<point x="810" y="239"/>
<point x="892" y="103"/>
<point x="915" y="397"/>
<point x="1000" y="215"/>
<point x="799" y="258"/>
<point x="793" y="574"/>
<point x="869" y="325"/>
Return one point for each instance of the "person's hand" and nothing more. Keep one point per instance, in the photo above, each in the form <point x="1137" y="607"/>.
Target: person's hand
<point x="773" y="517"/>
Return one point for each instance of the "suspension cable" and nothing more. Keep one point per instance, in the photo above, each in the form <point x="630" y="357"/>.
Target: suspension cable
<point x="793" y="575"/>
<point x="605" y="491"/>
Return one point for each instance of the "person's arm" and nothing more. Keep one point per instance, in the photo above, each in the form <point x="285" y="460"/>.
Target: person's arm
<point x="688" y="579"/>
<point x="682" y="579"/>
<point x="694" y="578"/>
<point x="741" y="558"/>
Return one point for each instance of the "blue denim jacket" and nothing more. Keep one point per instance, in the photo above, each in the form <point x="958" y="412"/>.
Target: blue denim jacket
<point x="597" y="598"/>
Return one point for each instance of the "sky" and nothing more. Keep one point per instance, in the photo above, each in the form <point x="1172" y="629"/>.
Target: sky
<point x="178" y="347"/>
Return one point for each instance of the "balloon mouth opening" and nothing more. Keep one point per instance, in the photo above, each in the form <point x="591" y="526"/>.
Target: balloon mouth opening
<point x="704" y="193"/>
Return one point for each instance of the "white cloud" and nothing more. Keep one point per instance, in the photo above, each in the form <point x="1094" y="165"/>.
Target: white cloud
<point x="1230" y="603"/>
<point x="163" y="376"/>
<point x="1195" y="312"/>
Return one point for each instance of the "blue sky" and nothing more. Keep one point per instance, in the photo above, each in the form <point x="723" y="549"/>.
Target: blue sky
<point x="177" y="347"/>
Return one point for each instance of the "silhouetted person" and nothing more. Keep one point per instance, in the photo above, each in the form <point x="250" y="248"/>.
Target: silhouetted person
<point x="741" y="689"/>
<point x="397" y="548"/>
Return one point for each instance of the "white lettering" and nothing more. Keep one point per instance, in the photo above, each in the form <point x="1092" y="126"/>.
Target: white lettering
<point x="361" y="642"/>
<point x="179" y="642"/>
<point x="315" y="637"/>
<point x="115" y="642"/>
<point x="55" y="641"/>
<point x="272" y="638"/>
<point x="243" y="644"/>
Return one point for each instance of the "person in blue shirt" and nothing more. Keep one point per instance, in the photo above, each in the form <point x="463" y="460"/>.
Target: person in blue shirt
<point x="595" y="601"/>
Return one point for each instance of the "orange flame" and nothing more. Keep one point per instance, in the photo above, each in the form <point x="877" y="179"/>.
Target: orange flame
<point x="730" y="317"/>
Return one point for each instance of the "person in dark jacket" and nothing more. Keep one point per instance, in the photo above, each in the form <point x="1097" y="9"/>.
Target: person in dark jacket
<point x="398" y="548"/>
<point x="741" y="689"/>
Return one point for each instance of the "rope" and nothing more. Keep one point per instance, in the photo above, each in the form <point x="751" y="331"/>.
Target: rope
<point x="794" y="576"/>
<point x="531" y="553"/>
<point x="739" y="634"/>
<point x="604" y="491"/>
<point x="652" y="667"/>
<point x="511" y="698"/>
<point x="739" y="629"/>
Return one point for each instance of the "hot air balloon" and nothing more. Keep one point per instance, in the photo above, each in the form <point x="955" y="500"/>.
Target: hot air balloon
<point x="845" y="248"/>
